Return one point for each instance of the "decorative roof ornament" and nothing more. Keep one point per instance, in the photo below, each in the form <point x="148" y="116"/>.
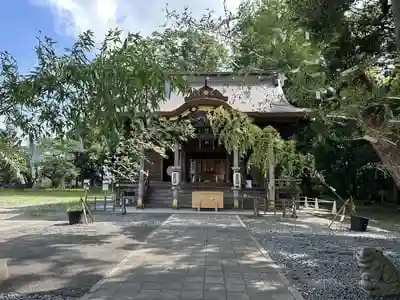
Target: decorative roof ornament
<point x="205" y="92"/>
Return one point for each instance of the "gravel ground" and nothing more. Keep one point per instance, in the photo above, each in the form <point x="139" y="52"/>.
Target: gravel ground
<point x="39" y="296"/>
<point x="320" y="263"/>
<point x="55" y="261"/>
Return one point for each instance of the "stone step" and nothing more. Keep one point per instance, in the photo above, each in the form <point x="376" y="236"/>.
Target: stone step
<point x="160" y="195"/>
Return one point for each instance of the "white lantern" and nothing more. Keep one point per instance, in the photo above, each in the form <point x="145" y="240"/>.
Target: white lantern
<point x="237" y="180"/>
<point x="175" y="178"/>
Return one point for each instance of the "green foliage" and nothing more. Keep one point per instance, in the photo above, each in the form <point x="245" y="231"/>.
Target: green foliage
<point x="13" y="156"/>
<point x="161" y="135"/>
<point x="233" y="129"/>
<point x="193" y="45"/>
<point x="95" y="91"/>
<point x="266" y="138"/>
<point x="285" y="157"/>
<point x="342" y="35"/>
<point x="57" y="160"/>
<point x="266" y="39"/>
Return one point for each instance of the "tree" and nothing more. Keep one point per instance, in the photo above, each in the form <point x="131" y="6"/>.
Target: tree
<point x="396" y="15"/>
<point x="125" y="80"/>
<point x="57" y="161"/>
<point x="236" y="131"/>
<point x="187" y="46"/>
<point x="290" y="36"/>
<point x="13" y="157"/>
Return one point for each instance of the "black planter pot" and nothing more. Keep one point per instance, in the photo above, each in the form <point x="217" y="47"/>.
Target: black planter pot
<point x="358" y="223"/>
<point x="74" y="216"/>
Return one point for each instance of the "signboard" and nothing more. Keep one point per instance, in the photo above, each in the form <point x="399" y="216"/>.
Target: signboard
<point x="105" y="186"/>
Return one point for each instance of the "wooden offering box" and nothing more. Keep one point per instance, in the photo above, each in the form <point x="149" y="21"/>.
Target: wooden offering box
<point x="204" y="199"/>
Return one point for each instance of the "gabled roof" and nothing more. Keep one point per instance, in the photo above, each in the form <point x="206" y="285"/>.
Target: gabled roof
<point x="253" y="93"/>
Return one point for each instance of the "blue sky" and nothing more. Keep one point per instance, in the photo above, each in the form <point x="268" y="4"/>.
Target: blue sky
<point x="21" y="20"/>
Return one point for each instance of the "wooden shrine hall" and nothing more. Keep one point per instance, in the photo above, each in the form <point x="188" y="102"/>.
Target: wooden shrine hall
<point x="201" y="173"/>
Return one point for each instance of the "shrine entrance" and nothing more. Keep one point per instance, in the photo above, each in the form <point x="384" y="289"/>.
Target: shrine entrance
<point x="207" y="168"/>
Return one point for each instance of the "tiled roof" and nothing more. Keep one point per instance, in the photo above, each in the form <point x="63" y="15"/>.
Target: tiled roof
<point x="255" y="93"/>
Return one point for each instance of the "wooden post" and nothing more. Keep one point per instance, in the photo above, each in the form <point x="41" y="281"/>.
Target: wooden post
<point x="32" y="149"/>
<point x="294" y="211"/>
<point x="255" y="201"/>
<point x="95" y="203"/>
<point x="114" y="201"/>
<point x="84" y="208"/>
<point x="271" y="177"/>
<point x="342" y="211"/>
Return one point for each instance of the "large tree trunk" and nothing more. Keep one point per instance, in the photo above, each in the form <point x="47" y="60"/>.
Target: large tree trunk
<point x="390" y="154"/>
<point x="390" y="157"/>
<point x="396" y="16"/>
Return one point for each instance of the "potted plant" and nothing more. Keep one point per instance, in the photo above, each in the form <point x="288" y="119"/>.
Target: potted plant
<point x="74" y="211"/>
<point x="357" y="223"/>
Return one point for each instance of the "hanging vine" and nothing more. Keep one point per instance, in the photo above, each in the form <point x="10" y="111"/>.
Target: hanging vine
<point x="233" y="129"/>
<point x="260" y="158"/>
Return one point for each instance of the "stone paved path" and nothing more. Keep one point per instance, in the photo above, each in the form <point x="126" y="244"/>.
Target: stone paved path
<point x="195" y="257"/>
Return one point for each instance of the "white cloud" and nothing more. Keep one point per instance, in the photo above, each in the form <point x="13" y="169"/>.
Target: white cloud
<point x="75" y="16"/>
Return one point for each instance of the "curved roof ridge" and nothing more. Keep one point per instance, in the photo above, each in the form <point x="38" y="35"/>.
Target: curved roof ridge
<point x="261" y="93"/>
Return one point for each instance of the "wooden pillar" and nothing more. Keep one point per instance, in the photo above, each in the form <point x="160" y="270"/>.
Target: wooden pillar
<point x="141" y="181"/>
<point x="183" y="166"/>
<point x="271" y="178"/>
<point x="175" y="188"/>
<point x="33" y="158"/>
<point x="235" y="169"/>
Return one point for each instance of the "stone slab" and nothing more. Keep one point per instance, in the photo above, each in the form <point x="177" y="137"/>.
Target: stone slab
<point x="198" y="257"/>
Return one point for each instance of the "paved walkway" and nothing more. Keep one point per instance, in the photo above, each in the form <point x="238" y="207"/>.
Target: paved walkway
<point x="195" y="257"/>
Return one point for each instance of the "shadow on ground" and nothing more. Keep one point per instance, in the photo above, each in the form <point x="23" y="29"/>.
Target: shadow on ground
<point x="44" y="255"/>
<point x="192" y="257"/>
<point x="197" y="257"/>
<point x="50" y="212"/>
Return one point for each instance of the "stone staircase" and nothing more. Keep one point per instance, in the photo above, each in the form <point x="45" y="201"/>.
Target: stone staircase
<point x="160" y="195"/>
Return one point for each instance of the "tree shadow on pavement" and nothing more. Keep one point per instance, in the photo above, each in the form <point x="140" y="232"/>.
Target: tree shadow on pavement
<point x="196" y="257"/>
<point x="55" y="259"/>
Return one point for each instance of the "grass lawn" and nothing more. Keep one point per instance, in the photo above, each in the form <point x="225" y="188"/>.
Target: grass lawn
<point x="42" y="197"/>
